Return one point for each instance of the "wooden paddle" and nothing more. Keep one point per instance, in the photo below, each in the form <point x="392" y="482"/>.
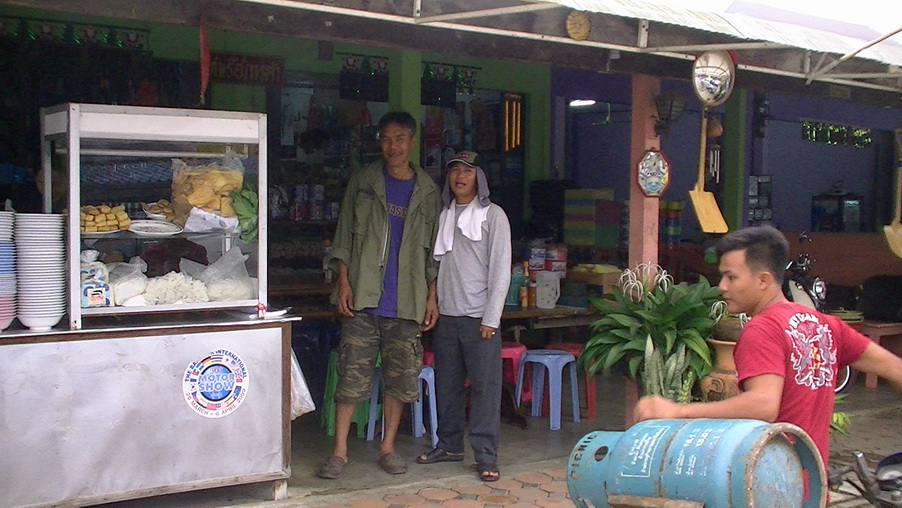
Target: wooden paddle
<point x="709" y="217"/>
<point x="893" y="232"/>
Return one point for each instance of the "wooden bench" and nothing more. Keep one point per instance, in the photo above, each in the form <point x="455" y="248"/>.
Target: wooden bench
<point x="876" y="331"/>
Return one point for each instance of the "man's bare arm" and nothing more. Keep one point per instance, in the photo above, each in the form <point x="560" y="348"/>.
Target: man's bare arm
<point x="759" y="401"/>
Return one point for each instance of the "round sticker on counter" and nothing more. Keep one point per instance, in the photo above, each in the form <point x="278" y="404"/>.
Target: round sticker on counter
<point x="216" y="385"/>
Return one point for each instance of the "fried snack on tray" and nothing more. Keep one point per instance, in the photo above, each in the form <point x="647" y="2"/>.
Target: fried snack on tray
<point x="161" y="207"/>
<point x="205" y="187"/>
<point x="103" y="218"/>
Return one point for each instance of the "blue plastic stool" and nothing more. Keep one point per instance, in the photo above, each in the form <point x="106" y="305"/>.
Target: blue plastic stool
<point x="555" y="361"/>
<point x="427" y="375"/>
<point x="374" y="400"/>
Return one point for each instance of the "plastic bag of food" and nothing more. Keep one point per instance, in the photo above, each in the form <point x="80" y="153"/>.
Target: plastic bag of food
<point x="208" y="187"/>
<point x="127" y="280"/>
<point x="301" y="401"/>
<point x="226" y="279"/>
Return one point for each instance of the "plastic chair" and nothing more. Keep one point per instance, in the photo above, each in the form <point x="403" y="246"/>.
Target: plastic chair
<point x="327" y="415"/>
<point x="374" y="401"/>
<point x="427" y="375"/>
<point x="575" y="348"/>
<point x="554" y="360"/>
<point x="511" y="354"/>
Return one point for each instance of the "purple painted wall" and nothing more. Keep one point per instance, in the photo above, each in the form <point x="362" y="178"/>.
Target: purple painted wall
<point x="598" y="154"/>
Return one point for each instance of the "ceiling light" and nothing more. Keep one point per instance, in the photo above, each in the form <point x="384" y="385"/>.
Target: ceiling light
<point x="578" y="103"/>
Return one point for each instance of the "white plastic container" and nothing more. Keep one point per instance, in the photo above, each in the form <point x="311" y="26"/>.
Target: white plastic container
<point x="548" y="289"/>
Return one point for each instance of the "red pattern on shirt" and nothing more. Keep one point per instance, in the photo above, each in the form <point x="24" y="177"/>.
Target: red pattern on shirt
<point x="806" y="348"/>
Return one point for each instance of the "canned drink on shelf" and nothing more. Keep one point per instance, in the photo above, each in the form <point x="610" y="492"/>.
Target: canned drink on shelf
<point x="299" y="212"/>
<point x="316" y="210"/>
<point x="300" y="193"/>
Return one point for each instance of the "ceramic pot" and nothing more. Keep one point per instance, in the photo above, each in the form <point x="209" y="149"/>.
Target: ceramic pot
<point x="727" y="329"/>
<point x="722" y="382"/>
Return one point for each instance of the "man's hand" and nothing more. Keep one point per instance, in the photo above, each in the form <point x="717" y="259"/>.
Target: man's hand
<point x="431" y="308"/>
<point x="431" y="315"/>
<point x="486" y="332"/>
<point x="655" y="407"/>
<point x="345" y="299"/>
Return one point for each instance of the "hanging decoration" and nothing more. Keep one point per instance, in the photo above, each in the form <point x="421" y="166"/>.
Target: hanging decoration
<point x="653" y="174"/>
<point x="463" y="77"/>
<point x="832" y="134"/>
<point x="73" y="33"/>
<point x="363" y="77"/>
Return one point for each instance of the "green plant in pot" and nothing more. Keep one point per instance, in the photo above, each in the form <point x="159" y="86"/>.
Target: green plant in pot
<point x="648" y="313"/>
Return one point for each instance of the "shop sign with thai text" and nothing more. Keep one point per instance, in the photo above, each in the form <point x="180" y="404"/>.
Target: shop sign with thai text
<point x="249" y="69"/>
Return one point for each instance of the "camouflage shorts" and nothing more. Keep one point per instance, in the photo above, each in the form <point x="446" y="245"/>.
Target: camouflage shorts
<point x="363" y="338"/>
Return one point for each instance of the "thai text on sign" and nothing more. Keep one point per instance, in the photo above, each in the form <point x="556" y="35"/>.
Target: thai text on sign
<point x="258" y="70"/>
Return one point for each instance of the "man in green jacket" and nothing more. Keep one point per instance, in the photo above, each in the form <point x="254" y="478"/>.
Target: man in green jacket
<point x="385" y="289"/>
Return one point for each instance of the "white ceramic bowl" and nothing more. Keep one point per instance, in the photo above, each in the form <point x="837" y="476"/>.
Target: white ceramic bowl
<point x="40" y="324"/>
<point x="42" y="313"/>
<point x="6" y="321"/>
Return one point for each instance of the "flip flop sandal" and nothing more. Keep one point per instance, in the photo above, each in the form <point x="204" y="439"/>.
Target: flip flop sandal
<point x="332" y="469"/>
<point x="392" y="463"/>
<point x="488" y="472"/>
<point x="439" y="455"/>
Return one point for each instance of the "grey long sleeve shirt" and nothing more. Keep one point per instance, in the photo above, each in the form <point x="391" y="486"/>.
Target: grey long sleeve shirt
<point x="473" y="277"/>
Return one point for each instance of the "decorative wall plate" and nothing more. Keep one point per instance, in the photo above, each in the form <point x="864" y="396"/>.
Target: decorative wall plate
<point x="654" y="173"/>
<point x="578" y="25"/>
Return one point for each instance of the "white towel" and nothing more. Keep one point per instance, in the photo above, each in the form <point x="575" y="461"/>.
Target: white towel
<point x="470" y="224"/>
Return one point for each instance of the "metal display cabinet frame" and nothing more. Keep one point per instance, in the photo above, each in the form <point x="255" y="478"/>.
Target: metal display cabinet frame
<point x="128" y="131"/>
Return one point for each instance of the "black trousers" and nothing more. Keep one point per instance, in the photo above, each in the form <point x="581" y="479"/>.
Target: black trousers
<point x="461" y="355"/>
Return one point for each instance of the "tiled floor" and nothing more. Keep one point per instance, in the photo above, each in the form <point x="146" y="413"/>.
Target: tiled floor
<point x="547" y="489"/>
<point x="533" y="463"/>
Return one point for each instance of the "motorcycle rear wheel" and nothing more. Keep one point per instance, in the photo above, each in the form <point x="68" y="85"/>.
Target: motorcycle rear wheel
<point x="845" y="378"/>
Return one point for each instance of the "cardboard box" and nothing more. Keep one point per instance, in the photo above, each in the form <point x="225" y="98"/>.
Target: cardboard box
<point x="597" y="283"/>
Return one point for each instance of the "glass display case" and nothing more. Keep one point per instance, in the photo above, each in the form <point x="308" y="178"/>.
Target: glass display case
<point x="164" y="207"/>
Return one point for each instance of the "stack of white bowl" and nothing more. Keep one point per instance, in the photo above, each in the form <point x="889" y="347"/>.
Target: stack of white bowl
<point x="41" y="269"/>
<point x="7" y="270"/>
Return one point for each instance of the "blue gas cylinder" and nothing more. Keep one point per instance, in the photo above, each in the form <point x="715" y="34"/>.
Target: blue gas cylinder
<point x="704" y="462"/>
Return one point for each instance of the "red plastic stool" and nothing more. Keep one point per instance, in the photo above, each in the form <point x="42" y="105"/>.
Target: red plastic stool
<point x="574" y="348"/>
<point x="511" y="352"/>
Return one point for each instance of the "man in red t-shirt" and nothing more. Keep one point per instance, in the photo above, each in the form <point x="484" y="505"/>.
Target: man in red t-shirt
<point x="787" y="356"/>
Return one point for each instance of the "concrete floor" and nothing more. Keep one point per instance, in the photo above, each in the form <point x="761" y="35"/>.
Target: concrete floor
<point x="532" y="462"/>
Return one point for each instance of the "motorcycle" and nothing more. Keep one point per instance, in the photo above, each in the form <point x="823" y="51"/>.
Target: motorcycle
<point x="881" y="488"/>
<point x="811" y="291"/>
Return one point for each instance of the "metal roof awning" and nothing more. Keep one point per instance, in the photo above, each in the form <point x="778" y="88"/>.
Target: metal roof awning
<point x="642" y="37"/>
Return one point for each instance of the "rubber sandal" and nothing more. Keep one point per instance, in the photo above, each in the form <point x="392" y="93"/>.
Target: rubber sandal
<point x="392" y="463"/>
<point x="439" y="455"/>
<point x="332" y="469"/>
<point x="488" y="472"/>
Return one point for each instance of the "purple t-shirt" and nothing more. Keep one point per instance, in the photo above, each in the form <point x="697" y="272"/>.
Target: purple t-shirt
<point x="397" y="193"/>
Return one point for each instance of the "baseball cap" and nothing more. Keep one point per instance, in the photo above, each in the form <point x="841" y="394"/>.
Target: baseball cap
<point x="467" y="157"/>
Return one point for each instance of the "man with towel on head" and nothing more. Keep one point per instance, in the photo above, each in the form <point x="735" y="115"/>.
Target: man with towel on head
<point x="474" y="250"/>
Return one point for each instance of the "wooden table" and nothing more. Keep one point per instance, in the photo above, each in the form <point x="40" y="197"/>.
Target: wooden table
<point x="562" y="316"/>
<point x="876" y="331"/>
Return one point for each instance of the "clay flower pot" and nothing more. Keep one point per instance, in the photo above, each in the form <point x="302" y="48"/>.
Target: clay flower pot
<point x="722" y="382"/>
